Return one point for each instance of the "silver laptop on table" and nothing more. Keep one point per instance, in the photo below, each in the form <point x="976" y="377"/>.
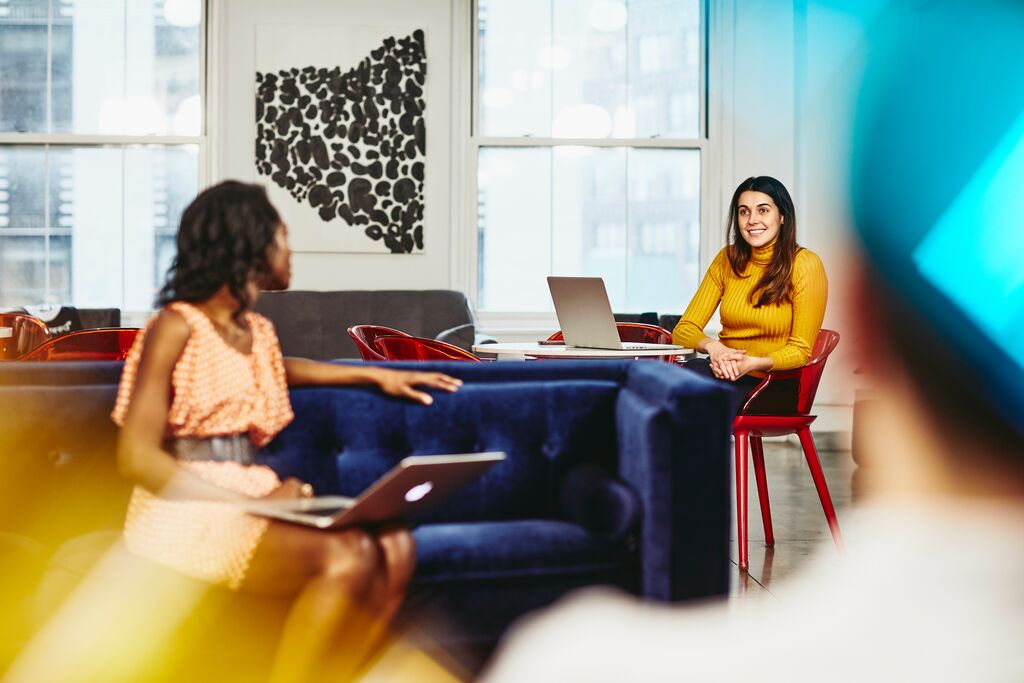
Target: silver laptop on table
<point x="585" y="315"/>
<point x="410" y="487"/>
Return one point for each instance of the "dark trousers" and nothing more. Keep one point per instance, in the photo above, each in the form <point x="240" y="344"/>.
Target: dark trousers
<point x="779" y="398"/>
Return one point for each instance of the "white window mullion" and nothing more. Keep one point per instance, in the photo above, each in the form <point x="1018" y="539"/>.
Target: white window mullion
<point x="46" y="225"/>
<point x="652" y="143"/>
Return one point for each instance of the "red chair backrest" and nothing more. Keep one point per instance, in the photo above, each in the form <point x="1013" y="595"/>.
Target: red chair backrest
<point x="810" y="374"/>
<point x="365" y="337"/>
<point x="807" y="377"/>
<point x="99" y="344"/>
<point x="26" y="334"/>
<point x="417" y="348"/>
<point x="636" y="333"/>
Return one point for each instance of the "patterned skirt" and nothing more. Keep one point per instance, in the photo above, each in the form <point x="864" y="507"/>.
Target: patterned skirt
<point x="211" y="541"/>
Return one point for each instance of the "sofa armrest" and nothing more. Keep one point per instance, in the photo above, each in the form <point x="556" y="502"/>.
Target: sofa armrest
<point x="602" y="504"/>
<point x="674" y="451"/>
<point x="461" y="336"/>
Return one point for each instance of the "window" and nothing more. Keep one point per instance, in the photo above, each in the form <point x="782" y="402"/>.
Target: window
<point x="588" y="131"/>
<point x="100" y="139"/>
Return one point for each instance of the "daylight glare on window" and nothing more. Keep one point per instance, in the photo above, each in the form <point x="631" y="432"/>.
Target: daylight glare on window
<point x="90" y="221"/>
<point x="553" y="79"/>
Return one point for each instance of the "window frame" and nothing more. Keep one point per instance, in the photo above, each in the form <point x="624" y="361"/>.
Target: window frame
<point x="714" y="16"/>
<point x="120" y="142"/>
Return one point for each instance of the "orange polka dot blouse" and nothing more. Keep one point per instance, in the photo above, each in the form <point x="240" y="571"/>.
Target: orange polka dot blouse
<point x="216" y="389"/>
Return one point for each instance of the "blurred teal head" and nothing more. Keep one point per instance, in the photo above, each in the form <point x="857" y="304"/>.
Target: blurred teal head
<point x="938" y="178"/>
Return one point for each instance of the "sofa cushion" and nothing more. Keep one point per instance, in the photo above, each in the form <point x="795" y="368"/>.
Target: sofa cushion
<point x="473" y="551"/>
<point x="343" y="440"/>
<point x="59" y="475"/>
<point x="60" y="373"/>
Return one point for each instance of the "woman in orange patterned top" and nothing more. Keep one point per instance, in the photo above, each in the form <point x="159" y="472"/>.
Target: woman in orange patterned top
<point x="205" y="386"/>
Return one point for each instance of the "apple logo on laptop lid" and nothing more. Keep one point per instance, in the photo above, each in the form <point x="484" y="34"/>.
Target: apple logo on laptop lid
<point x="419" y="491"/>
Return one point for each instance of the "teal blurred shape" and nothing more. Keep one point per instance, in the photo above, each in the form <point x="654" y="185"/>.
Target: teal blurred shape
<point x="937" y="174"/>
<point x="983" y="274"/>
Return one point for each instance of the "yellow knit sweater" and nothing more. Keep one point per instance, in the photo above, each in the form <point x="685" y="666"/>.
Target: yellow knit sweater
<point x="786" y="333"/>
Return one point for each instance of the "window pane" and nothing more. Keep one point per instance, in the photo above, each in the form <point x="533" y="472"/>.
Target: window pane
<point x="22" y="231"/>
<point x="514" y="224"/>
<point x="60" y="269"/>
<point x="664" y="68"/>
<point x="22" y="188"/>
<point x="88" y="200"/>
<point x="590" y="218"/>
<point x="630" y="216"/>
<point x="589" y="68"/>
<point x="113" y="216"/>
<point x="514" y="88"/>
<point x="159" y="184"/>
<point x="23" y="66"/>
<point x="126" y="68"/>
<point x="664" y="229"/>
<point x="22" y="270"/>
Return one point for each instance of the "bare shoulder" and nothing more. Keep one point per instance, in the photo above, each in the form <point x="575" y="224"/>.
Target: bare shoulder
<point x="166" y="337"/>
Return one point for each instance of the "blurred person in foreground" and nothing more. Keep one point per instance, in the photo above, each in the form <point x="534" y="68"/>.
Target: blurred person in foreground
<point x="204" y="387"/>
<point x="931" y="586"/>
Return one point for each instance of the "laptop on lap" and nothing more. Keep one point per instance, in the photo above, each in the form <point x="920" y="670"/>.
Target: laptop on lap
<point x="410" y="487"/>
<point x="585" y="315"/>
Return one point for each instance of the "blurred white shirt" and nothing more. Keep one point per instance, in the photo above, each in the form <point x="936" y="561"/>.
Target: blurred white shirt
<point x="922" y="593"/>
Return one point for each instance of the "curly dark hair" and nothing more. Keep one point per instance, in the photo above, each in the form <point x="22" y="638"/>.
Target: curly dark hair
<point x="222" y="240"/>
<point x="775" y="286"/>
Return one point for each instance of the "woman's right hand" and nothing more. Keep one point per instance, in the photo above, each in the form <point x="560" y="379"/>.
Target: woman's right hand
<point x="290" y="488"/>
<point x="723" y="360"/>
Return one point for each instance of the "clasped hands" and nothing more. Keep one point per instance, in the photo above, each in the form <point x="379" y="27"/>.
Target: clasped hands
<point x="729" y="364"/>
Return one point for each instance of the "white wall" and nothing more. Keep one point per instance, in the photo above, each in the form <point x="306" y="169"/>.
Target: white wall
<point x="233" y="128"/>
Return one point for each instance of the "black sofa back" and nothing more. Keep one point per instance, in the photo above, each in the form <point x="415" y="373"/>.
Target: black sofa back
<point x="314" y="324"/>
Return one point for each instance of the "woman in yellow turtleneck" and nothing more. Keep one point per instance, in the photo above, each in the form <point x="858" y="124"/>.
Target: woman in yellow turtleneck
<point x="772" y="292"/>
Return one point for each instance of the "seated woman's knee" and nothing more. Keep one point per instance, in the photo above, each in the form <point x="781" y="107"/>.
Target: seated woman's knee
<point x="399" y="545"/>
<point x="353" y="556"/>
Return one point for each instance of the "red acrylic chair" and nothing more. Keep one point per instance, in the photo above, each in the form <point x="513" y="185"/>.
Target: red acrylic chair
<point x="26" y="333"/>
<point x="98" y="344"/>
<point x="418" y="348"/>
<point x="637" y="333"/>
<point x="365" y="337"/>
<point x="746" y="426"/>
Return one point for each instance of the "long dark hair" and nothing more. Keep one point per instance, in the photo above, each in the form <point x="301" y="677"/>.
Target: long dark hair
<point x="222" y="240"/>
<point x="776" y="284"/>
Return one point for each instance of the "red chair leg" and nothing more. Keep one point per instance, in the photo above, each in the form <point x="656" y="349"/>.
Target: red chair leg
<point x="741" y="498"/>
<point x="811" y="453"/>
<point x="757" y="453"/>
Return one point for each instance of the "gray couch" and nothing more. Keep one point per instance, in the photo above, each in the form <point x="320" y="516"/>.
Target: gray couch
<point x="314" y="324"/>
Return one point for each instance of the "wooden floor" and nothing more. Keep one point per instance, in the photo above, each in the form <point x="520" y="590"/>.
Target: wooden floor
<point x="797" y="520"/>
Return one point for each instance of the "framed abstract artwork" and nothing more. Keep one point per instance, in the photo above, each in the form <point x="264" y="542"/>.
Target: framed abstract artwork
<point x="341" y="121"/>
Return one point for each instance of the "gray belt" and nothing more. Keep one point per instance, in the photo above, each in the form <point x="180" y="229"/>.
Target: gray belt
<point x="235" y="448"/>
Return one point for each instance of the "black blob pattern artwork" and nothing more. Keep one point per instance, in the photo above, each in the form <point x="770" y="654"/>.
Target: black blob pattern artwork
<point x="352" y="144"/>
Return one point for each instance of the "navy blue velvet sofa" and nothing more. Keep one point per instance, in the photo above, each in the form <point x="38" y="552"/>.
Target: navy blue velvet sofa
<point x="617" y="473"/>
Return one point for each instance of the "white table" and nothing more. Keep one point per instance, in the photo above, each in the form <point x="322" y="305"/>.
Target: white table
<point x="523" y="350"/>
